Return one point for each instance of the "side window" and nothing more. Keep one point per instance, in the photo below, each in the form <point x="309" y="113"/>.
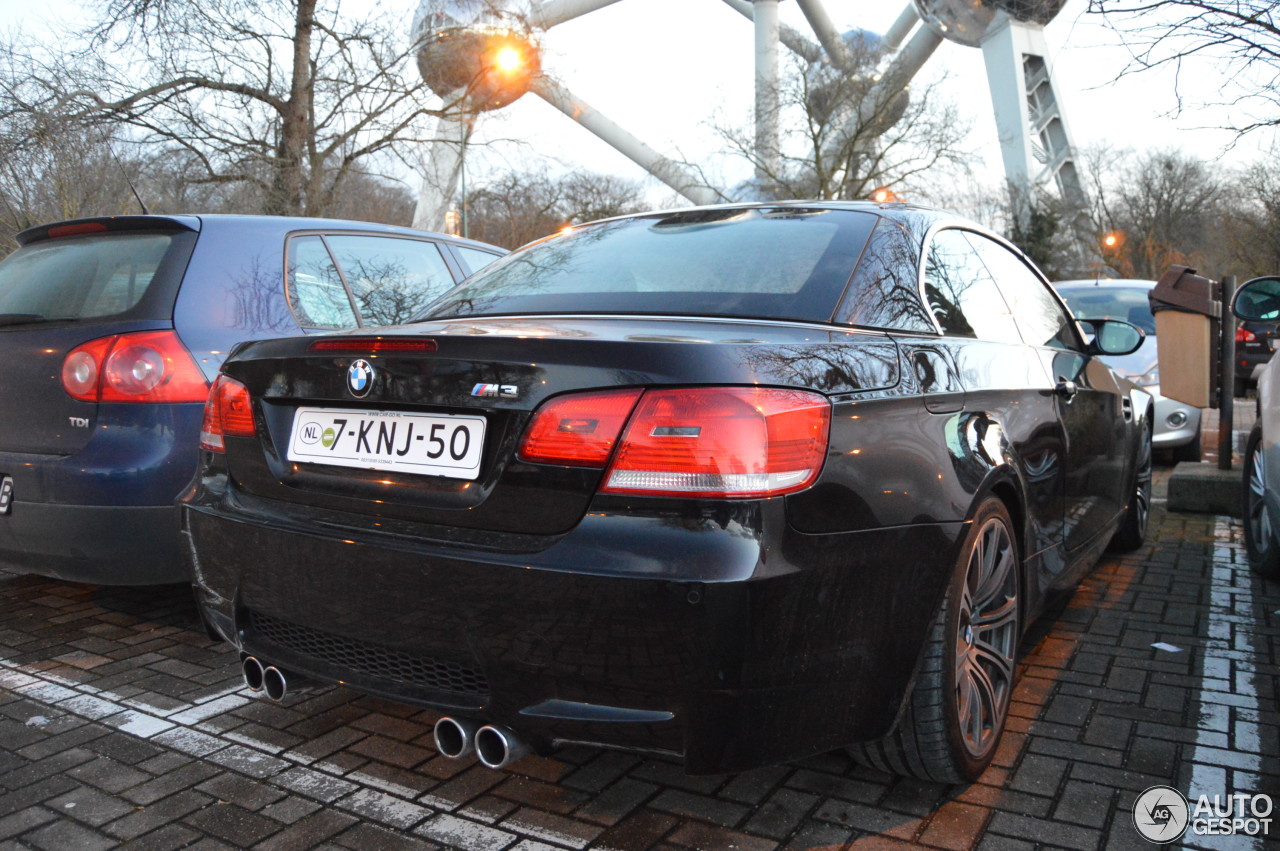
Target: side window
<point x="475" y="258"/>
<point x="885" y="290"/>
<point x="962" y="294"/>
<point x="316" y="293"/>
<point x="1040" y="317"/>
<point x="391" y="279"/>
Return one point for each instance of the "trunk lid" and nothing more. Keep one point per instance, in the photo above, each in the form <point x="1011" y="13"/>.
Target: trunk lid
<point x="67" y="284"/>
<point x="498" y="370"/>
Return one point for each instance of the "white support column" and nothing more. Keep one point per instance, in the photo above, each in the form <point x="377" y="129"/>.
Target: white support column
<point x="768" y="157"/>
<point x="901" y="28"/>
<point x="791" y="37"/>
<point x="828" y="36"/>
<point x="554" y="12"/>
<point x="441" y="168"/>
<point x="669" y="172"/>
<point x="1035" y="141"/>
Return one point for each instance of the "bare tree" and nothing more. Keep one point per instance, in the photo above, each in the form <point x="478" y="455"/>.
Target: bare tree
<point x="848" y="133"/>
<point x="286" y="96"/>
<point x="1241" y="36"/>
<point x="513" y="208"/>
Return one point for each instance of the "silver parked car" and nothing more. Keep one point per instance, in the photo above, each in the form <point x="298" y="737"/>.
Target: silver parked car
<point x="1259" y="301"/>
<point x="1177" y="426"/>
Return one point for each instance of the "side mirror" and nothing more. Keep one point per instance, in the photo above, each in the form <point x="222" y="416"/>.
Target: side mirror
<point x="1258" y="300"/>
<point x="1113" y="337"/>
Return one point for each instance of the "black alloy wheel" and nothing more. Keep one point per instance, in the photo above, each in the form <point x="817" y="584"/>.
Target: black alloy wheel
<point x="1137" y="517"/>
<point x="956" y="713"/>
<point x="1259" y="531"/>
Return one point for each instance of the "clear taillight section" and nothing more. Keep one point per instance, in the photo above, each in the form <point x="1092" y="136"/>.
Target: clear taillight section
<point x="717" y="442"/>
<point x="145" y="366"/>
<point x="228" y="411"/>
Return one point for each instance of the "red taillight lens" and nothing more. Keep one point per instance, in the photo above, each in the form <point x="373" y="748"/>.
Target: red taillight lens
<point x="228" y="411"/>
<point x="732" y="442"/>
<point x="578" y="430"/>
<point x="1244" y="335"/>
<point x="148" y="366"/>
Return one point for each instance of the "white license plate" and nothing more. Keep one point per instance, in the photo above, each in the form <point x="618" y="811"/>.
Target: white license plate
<point x="427" y="444"/>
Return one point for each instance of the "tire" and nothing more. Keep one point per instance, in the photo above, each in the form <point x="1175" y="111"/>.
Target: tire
<point x="1240" y="387"/>
<point x="1133" y="529"/>
<point x="1259" y="529"/>
<point x="1189" y="451"/>
<point x="951" y="725"/>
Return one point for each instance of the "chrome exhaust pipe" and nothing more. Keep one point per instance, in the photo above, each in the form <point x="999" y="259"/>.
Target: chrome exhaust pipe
<point x="279" y="682"/>
<point x="455" y="737"/>
<point x="252" y="671"/>
<point x="498" y="747"/>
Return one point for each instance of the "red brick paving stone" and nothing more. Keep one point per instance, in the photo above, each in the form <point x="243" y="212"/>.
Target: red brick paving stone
<point x="63" y="835"/>
<point x="552" y="828"/>
<point x="308" y="832"/>
<point x="538" y="794"/>
<point x="468" y="785"/>
<point x="233" y="824"/>
<point x="641" y="830"/>
<point x="616" y="802"/>
<point x="955" y="826"/>
<point x="383" y="808"/>
<point x="702" y="836"/>
<point x="687" y="804"/>
<point x="368" y="837"/>
<point x="24" y="820"/>
<point x="464" y="834"/>
<point x="391" y="727"/>
<point x="148" y="818"/>
<point x="390" y="751"/>
<point x="546" y="769"/>
<point x="90" y="806"/>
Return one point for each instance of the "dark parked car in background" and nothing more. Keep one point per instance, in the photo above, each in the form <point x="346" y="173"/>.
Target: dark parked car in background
<point x="112" y="329"/>
<point x="1255" y="343"/>
<point x="1177" y="425"/>
<point x="737" y="484"/>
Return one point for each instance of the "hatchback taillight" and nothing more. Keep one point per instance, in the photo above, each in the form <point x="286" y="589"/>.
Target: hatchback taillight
<point x="145" y="366"/>
<point x="717" y="442"/>
<point x="228" y="411"/>
<point x="1243" y="335"/>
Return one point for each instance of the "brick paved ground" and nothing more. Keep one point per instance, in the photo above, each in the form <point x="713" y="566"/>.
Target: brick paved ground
<point x="120" y="724"/>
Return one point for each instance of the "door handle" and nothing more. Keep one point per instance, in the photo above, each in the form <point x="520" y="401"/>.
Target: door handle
<point x="1064" y="388"/>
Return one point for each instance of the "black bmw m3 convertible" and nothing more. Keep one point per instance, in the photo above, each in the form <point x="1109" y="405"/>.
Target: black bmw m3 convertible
<point x="736" y="484"/>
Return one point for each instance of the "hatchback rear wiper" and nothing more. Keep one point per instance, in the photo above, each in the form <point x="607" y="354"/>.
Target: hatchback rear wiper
<point x="21" y="318"/>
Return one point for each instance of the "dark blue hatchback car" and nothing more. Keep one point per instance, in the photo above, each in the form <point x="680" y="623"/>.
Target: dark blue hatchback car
<point x="111" y="330"/>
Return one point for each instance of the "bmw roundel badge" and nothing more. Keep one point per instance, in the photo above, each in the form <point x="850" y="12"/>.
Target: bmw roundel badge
<point x="360" y="378"/>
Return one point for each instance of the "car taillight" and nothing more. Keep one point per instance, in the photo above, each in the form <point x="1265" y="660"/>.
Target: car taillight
<point x="1243" y="335"/>
<point x="578" y="430"/>
<point x="146" y="366"/>
<point x="728" y="442"/>
<point x="228" y="411"/>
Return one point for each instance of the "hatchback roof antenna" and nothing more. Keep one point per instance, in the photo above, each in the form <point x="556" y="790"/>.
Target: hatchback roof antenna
<point x="111" y="149"/>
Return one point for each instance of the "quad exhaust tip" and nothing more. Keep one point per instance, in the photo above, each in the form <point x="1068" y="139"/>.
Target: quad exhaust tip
<point x="253" y="672"/>
<point x="498" y="747"/>
<point x="455" y="737"/>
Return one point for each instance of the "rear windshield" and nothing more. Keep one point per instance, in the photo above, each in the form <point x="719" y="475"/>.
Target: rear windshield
<point x="1111" y="302"/>
<point x="776" y="263"/>
<point x="82" y="277"/>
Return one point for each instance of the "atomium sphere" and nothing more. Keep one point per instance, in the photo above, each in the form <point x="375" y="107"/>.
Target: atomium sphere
<point x="967" y="21"/>
<point x="478" y="48"/>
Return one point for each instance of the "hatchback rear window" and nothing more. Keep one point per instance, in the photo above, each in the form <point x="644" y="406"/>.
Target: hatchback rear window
<point x="82" y="278"/>
<point x="777" y="263"/>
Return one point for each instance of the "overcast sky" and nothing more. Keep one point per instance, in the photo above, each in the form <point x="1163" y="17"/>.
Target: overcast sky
<point x="664" y="69"/>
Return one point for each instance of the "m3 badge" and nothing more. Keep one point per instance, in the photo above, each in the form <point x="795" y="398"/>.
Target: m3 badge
<point x="504" y="391"/>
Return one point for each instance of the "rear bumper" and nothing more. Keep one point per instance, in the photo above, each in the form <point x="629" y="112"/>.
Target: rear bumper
<point x="100" y="544"/>
<point x="105" y="514"/>
<point x="815" y="652"/>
